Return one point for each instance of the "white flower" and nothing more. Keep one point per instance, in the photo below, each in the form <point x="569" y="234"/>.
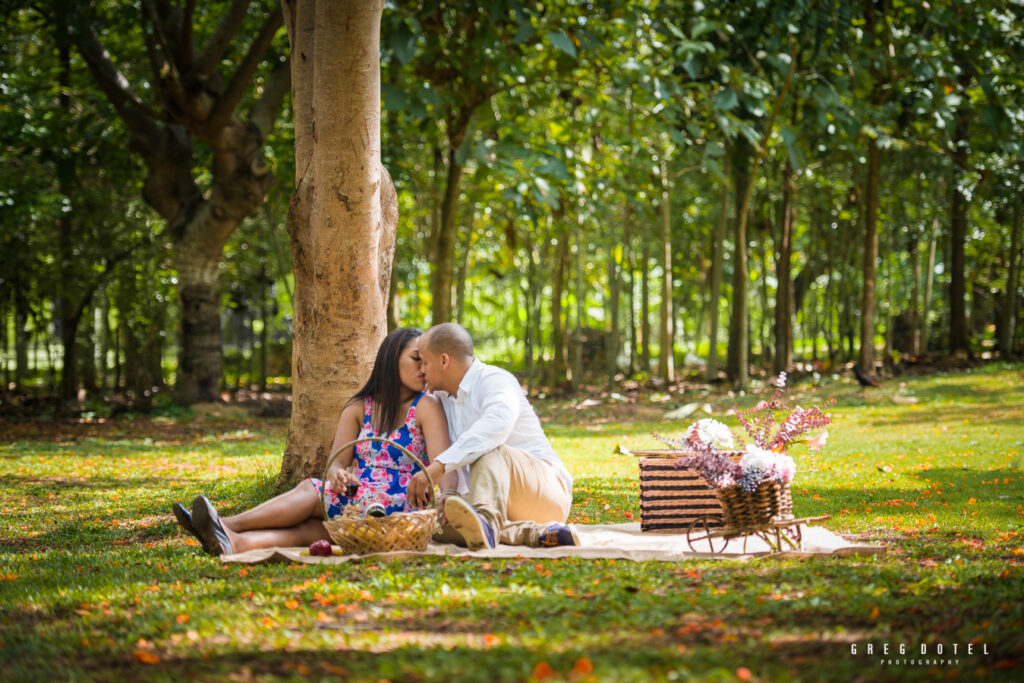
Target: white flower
<point x="712" y="432"/>
<point x="756" y="457"/>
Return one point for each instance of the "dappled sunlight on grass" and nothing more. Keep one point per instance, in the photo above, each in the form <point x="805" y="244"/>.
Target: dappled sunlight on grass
<point x="97" y="581"/>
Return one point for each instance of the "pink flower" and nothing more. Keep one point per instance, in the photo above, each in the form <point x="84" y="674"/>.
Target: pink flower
<point x="817" y="442"/>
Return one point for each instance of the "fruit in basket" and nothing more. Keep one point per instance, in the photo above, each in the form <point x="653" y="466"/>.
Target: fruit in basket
<point x="321" y="548"/>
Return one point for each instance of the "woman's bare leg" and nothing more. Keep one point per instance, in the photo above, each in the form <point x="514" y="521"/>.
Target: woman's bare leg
<point x="301" y="534"/>
<point x="281" y="512"/>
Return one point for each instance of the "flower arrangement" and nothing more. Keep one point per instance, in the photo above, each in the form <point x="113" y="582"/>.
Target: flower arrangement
<point x="771" y="426"/>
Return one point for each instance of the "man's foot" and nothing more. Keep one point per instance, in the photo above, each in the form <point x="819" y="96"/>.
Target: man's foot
<point x="477" y="533"/>
<point x="184" y="518"/>
<point x="207" y="523"/>
<point x="558" y="534"/>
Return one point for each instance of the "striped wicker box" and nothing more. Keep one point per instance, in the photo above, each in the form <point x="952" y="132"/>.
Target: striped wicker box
<point x="671" y="497"/>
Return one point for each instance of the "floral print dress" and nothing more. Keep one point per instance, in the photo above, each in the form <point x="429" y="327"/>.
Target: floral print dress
<point x="384" y="471"/>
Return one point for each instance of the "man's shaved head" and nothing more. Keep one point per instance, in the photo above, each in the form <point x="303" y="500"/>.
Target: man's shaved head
<point x="450" y="338"/>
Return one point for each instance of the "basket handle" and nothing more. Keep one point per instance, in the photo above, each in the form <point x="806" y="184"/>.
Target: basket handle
<point x="350" y="444"/>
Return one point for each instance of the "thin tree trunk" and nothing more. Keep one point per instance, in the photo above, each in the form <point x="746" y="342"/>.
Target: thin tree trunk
<point x="342" y="225"/>
<point x="866" y="358"/>
<point x="958" y="339"/>
<point x="1009" y="327"/>
<point x="666" y="336"/>
<point x="442" y="257"/>
<point x="613" y="305"/>
<point x="929" y="283"/>
<point x="467" y="250"/>
<point x="645" y="313"/>
<point x="736" y="364"/>
<point x="559" y="362"/>
<point x="717" y="252"/>
<point x="915" y="295"/>
<point x="21" y="339"/>
<point x="783" y="268"/>
<point x="581" y="295"/>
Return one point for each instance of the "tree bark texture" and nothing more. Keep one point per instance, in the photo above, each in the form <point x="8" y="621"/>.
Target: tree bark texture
<point x="341" y="219"/>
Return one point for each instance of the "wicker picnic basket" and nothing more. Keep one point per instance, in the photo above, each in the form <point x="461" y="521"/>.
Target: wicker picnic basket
<point x="673" y="496"/>
<point x="397" y="531"/>
<point x="770" y="501"/>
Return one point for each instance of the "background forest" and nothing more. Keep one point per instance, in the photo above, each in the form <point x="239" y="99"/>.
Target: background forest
<point x="600" y="191"/>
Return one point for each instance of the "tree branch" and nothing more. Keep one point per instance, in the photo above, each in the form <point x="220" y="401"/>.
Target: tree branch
<point x="222" y="37"/>
<point x="243" y="74"/>
<point x="139" y="118"/>
<point x="185" y="41"/>
<point x="161" y="58"/>
<point x="266" y="109"/>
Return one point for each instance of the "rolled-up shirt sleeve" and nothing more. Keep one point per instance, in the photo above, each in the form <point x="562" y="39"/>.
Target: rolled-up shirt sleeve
<point x="499" y="411"/>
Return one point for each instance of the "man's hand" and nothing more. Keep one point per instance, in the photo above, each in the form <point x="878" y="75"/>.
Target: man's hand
<point x="442" y="519"/>
<point x="419" y="490"/>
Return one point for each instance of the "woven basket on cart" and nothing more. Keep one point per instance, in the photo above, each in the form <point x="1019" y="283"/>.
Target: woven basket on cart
<point x="672" y="496"/>
<point x="397" y="531"/>
<point x="770" y="501"/>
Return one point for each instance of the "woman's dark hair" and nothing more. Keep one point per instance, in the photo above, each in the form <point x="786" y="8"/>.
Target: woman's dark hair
<point x="384" y="386"/>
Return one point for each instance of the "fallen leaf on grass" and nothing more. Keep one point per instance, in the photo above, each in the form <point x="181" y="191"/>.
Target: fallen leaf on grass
<point x="543" y="671"/>
<point x="146" y="657"/>
<point x="582" y="666"/>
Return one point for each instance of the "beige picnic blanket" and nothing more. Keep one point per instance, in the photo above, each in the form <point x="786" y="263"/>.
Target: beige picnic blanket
<point x="618" y="541"/>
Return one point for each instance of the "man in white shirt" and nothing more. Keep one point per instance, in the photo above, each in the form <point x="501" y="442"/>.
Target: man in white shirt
<point x="519" y="490"/>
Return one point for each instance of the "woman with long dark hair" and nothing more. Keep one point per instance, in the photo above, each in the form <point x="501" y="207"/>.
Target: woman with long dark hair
<point x="392" y="405"/>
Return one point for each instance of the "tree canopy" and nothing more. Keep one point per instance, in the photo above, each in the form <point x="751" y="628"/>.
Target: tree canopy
<point x="600" y="191"/>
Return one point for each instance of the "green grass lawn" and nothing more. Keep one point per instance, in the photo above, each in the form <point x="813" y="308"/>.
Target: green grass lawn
<point x="98" y="583"/>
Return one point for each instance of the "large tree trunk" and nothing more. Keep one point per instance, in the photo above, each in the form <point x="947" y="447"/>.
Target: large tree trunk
<point x="717" y="254"/>
<point x="199" y="353"/>
<point x="341" y="220"/>
<point x="1009" y="322"/>
<point x="958" y="341"/>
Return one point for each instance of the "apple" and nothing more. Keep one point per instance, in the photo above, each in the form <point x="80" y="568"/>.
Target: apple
<point x="322" y="548"/>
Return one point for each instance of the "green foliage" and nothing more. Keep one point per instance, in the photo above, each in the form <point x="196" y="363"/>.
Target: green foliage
<point x="98" y="582"/>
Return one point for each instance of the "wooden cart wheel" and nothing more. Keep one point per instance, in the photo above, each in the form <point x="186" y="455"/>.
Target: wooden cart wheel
<point x="702" y="538"/>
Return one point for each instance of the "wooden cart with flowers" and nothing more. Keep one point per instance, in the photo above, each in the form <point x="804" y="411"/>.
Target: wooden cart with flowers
<point x="742" y="492"/>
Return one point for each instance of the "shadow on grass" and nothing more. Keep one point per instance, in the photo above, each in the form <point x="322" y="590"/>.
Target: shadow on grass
<point x="630" y="628"/>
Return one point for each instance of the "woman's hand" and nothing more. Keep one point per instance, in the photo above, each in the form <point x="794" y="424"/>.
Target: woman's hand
<point x="342" y="477"/>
